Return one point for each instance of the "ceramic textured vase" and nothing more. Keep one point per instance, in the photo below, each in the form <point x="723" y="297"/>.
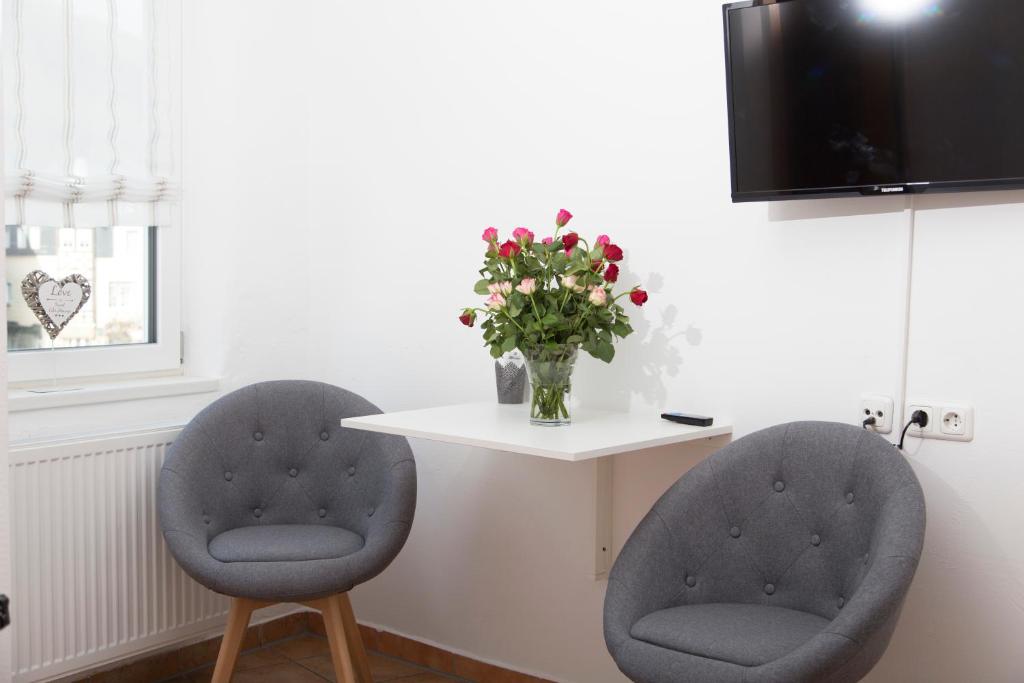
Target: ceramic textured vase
<point x="551" y="384"/>
<point x="510" y="377"/>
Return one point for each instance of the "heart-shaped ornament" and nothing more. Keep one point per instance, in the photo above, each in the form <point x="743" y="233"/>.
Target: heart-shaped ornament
<point x="55" y="302"/>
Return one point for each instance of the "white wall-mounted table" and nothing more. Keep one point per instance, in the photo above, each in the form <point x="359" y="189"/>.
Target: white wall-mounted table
<point x="594" y="436"/>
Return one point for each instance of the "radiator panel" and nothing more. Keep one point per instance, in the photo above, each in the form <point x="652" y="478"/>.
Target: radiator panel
<point x="93" y="579"/>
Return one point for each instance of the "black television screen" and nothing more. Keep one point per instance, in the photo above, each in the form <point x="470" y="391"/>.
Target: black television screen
<point x="839" y="97"/>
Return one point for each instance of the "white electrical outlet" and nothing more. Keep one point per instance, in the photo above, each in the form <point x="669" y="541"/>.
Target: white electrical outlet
<point x="946" y="421"/>
<point x="956" y="422"/>
<point x="916" y="430"/>
<point x="878" y="407"/>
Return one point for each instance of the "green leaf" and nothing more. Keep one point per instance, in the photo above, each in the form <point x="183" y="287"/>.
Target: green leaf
<point x="604" y="351"/>
<point x="550" y="319"/>
<point x="495" y="351"/>
<point x="574" y="339"/>
<point x="481" y="287"/>
<point x="622" y="329"/>
<point x="509" y="344"/>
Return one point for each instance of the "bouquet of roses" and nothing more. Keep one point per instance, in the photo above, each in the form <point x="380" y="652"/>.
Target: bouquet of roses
<point x="552" y="297"/>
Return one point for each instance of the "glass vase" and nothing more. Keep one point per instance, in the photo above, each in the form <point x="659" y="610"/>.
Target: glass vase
<point x="551" y="385"/>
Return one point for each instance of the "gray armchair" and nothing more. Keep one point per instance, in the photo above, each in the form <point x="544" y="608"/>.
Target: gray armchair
<point x="784" y="557"/>
<point x="264" y="497"/>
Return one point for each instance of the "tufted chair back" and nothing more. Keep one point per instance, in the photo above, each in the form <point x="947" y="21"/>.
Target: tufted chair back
<point x="793" y="516"/>
<point x="275" y="453"/>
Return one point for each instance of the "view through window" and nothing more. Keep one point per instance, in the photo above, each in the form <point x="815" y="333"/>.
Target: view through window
<point x="119" y="261"/>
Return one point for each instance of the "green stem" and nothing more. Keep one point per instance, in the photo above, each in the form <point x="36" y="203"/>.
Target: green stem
<point x="626" y="293"/>
<point x="513" y="321"/>
<point x="536" y="315"/>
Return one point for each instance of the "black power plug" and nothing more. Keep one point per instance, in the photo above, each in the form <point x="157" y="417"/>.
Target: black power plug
<point x="5" y="612"/>
<point x="919" y="418"/>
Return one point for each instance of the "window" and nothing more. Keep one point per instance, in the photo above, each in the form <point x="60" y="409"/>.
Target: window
<point x="130" y="323"/>
<point x="116" y="260"/>
<point x="90" y="167"/>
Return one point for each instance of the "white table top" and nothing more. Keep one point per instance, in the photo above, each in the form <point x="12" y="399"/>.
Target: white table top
<point x="593" y="434"/>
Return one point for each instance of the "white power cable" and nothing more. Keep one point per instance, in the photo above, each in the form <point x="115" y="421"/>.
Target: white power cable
<point x="907" y="303"/>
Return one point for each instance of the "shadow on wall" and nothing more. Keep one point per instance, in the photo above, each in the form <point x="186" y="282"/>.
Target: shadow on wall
<point x="963" y="200"/>
<point x="802" y="210"/>
<point x="948" y="609"/>
<point x="815" y="209"/>
<point x="644" y="360"/>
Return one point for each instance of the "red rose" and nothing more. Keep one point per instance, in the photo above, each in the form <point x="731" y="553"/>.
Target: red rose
<point x="612" y="274"/>
<point x="638" y="297"/>
<point x="612" y="252"/>
<point x="569" y="241"/>
<point x="468" y="318"/>
<point x="509" y="250"/>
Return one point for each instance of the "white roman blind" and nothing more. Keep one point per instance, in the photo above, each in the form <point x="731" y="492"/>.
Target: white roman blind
<point x="92" y="119"/>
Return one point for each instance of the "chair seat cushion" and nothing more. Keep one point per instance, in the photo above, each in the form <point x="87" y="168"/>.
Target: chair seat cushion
<point x="749" y="635"/>
<point x="284" y="543"/>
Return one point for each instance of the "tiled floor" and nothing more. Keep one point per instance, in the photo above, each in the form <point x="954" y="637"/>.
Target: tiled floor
<point x="307" y="659"/>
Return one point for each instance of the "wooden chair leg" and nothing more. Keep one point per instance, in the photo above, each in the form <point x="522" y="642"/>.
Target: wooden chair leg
<point x="355" y="641"/>
<point x="234" y="634"/>
<point x="335" y="627"/>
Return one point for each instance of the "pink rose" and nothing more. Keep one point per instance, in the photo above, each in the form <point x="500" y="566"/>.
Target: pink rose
<point x="523" y="236"/>
<point x="612" y="274"/>
<point x="598" y="296"/>
<point x="571" y="282"/>
<point x="528" y="286"/>
<point x="548" y="241"/>
<point x="562" y="218"/>
<point x="495" y="302"/>
<point x="602" y="240"/>
<point x="505" y="287"/>
<point x="490" y="235"/>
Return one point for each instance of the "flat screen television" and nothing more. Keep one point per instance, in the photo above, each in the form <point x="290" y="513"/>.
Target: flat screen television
<point x="871" y="97"/>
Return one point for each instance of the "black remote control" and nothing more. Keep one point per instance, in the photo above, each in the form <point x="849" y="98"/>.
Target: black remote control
<point x="686" y="419"/>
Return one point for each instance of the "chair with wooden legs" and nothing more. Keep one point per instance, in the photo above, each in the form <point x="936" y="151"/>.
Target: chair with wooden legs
<point x="265" y="498"/>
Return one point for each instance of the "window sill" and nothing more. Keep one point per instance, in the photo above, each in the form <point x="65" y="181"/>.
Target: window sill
<point x="21" y="400"/>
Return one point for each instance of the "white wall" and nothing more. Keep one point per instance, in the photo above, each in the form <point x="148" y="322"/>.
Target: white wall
<point x="966" y="609"/>
<point x="433" y="121"/>
<point x="246" y="221"/>
<point x="436" y="120"/>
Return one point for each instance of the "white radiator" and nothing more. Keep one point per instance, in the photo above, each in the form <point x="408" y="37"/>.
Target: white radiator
<point x="93" y="580"/>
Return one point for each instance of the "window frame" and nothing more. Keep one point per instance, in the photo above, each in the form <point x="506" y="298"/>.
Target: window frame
<point x="163" y="355"/>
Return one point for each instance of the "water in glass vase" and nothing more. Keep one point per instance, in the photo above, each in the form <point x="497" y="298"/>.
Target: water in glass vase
<point x="550" y="384"/>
